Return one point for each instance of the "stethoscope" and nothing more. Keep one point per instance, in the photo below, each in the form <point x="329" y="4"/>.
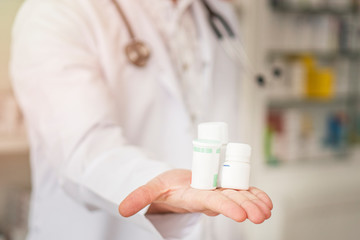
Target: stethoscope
<point x="138" y="52"/>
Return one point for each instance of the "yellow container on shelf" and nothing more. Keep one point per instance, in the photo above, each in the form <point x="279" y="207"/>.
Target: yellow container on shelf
<point x="320" y="84"/>
<point x="308" y="61"/>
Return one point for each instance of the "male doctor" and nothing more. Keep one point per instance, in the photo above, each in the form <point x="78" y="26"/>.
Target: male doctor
<point x="104" y="131"/>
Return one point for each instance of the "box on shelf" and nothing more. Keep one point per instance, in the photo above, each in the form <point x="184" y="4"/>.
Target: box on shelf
<point x="296" y="136"/>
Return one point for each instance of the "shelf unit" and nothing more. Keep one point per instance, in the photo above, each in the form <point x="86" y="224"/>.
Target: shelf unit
<point x="314" y="183"/>
<point x="350" y="103"/>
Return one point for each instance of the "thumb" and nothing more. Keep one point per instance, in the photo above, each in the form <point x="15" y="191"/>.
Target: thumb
<point x="141" y="197"/>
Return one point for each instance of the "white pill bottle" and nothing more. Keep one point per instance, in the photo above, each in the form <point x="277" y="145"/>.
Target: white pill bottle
<point x="236" y="168"/>
<point x="205" y="165"/>
<point x="215" y="131"/>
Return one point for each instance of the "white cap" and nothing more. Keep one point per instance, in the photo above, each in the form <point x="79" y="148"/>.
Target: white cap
<point x="217" y="131"/>
<point x="238" y="152"/>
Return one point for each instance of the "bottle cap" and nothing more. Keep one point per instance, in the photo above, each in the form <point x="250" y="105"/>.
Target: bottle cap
<point x="238" y="152"/>
<point x="217" y="131"/>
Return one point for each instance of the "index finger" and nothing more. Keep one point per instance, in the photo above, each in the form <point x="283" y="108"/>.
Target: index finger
<point x="140" y="198"/>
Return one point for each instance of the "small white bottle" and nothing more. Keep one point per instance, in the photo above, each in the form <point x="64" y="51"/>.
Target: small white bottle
<point x="236" y="168"/>
<point x="205" y="165"/>
<point x="216" y="131"/>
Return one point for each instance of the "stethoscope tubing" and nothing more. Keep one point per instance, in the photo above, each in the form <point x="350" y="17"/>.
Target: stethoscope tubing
<point x="125" y="19"/>
<point x="213" y="18"/>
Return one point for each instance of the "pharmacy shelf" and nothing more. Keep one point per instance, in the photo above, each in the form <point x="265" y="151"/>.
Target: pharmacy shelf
<point x="306" y="179"/>
<point x="343" y="159"/>
<point x="305" y="103"/>
<point x="338" y="162"/>
<point x="306" y="192"/>
<point x="324" y="55"/>
<point x="13" y="145"/>
<point x="321" y="10"/>
<point x="340" y="156"/>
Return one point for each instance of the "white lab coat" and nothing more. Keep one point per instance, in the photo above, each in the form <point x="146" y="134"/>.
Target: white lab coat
<point x="100" y="127"/>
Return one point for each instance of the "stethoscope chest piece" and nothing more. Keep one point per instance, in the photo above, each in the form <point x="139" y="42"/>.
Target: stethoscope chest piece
<point x="138" y="53"/>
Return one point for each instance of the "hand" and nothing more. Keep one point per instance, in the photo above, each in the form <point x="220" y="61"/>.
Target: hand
<point x="171" y="192"/>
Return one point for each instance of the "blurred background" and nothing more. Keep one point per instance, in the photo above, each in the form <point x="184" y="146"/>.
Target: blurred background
<point x="302" y="117"/>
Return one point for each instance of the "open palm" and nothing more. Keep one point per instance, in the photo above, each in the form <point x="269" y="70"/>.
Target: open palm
<point x="171" y="192"/>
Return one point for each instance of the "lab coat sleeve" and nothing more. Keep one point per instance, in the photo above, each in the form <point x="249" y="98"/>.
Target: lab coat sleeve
<point x="70" y="112"/>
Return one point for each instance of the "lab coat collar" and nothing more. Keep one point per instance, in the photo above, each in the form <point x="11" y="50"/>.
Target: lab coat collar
<point x="165" y="14"/>
<point x="207" y="42"/>
<point x="182" y="6"/>
<point x="166" y="71"/>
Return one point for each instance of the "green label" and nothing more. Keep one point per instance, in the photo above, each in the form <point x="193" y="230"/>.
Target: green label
<point x="203" y="150"/>
<point x="215" y="180"/>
